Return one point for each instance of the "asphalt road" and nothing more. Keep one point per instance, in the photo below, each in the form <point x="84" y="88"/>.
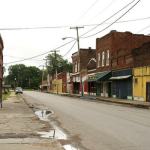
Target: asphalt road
<point x="100" y="126"/>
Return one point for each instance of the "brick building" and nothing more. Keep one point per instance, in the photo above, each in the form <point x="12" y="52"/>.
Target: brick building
<point x="1" y="68"/>
<point x="114" y="53"/>
<point x="79" y="76"/>
<point x="141" y="55"/>
<point x="141" y="72"/>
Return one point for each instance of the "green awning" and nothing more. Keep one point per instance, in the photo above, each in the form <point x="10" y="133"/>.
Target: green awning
<point x="99" y="76"/>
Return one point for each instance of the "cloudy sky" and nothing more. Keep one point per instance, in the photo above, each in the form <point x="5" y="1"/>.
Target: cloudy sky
<point x="35" y="27"/>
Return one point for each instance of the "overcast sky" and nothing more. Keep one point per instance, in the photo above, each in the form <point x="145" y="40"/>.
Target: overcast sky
<point x="62" y="14"/>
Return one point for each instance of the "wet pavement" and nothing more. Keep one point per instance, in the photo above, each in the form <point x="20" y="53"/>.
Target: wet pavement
<point x="55" y="132"/>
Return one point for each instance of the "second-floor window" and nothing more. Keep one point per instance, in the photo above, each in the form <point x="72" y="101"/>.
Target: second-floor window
<point x="98" y="60"/>
<point x="103" y="58"/>
<point x="76" y="67"/>
<point x="107" y="58"/>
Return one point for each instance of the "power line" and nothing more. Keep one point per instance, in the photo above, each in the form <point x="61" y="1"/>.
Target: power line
<point x="144" y="28"/>
<point x="104" y="9"/>
<point x="108" y="18"/>
<point x="71" y="40"/>
<point x="123" y="21"/>
<point x="69" y="49"/>
<point x="113" y="21"/>
<point x="93" y="4"/>
<point x="19" y="57"/>
<point x="132" y="20"/>
<point x="30" y="28"/>
<point x="39" y="54"/>
<point x="67" y="26"/>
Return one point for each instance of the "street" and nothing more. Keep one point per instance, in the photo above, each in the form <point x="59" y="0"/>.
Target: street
<point x="98" y="126"/>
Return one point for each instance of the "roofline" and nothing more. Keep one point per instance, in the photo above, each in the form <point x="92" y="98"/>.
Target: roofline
<point x="115" y="31"/>
<point x="82" y="49"/>
<point x="1" y="41"/>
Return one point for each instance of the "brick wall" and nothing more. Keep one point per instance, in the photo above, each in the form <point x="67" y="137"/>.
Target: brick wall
<point x="120" y="45"/>
<point x="102" y="45"/>
<point x="85" y="56"/>
<point x="141" y="55"/>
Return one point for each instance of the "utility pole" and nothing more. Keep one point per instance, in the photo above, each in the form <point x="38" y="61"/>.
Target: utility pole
<point x="55" y="56"/>
<point x="47" y="75"/>
<point x="42" y="78"/>
<point x="78" y="42"/>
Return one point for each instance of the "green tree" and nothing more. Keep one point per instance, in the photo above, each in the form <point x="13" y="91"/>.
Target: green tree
<point x="26" y="77"/>
<point x="56" y="61"/>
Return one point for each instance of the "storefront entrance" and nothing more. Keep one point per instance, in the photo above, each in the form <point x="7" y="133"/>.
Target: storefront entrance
<point x="148" y="91"/>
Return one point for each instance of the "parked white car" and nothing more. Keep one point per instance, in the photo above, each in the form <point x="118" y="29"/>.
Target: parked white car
<point x="18" y="90"/>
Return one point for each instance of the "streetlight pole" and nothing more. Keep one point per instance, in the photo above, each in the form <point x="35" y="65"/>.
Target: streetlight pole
<point x="78" y="42"/>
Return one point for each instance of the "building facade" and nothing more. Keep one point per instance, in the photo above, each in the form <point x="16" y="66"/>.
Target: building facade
<point x="141" y="83"/>
<point x="141" y="73"/>
<point x="80" y="61"/>
<point x="114" y="56"/>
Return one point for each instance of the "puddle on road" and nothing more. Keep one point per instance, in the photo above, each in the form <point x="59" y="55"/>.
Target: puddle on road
<point x="56" y="132"/>
<point x="69" y="147"/>
<point x="43" y="114"/>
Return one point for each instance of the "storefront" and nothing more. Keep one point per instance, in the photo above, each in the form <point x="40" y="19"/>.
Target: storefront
<point x="98" y="84"/>
<point x="103" y="84"/>
<point x="76" y="84"/>
<point x="141" y="83"/>
<point x="122" y="84"/>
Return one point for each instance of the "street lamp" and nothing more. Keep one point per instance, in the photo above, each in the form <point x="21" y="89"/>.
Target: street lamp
<point x="68" y="37"/>
<point x="77" y="39"/>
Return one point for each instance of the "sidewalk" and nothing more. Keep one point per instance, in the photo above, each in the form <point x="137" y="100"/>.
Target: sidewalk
<point x="19" y="127"/>
<point x="133" y="103"/>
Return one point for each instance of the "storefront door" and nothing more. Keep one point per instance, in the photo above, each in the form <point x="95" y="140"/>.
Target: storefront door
<point x="148" y="91"/>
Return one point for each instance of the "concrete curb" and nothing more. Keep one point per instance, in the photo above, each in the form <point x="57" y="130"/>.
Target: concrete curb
<point x="98" y="99"/>
<point x="125" y="103"/>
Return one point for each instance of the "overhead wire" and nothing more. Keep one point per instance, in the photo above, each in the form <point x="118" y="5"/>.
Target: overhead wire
<point x="113" y="21"/>
<point x="30" y="28"/>
<point x="39" y="54"/>
<point x="70" y="49"/>
<point x="93" y="4"/>
<point x="49" y="27"/>
<point x="144" y="28"/>
<point x="108" y="18"/>
<point x="123" y="21"/>
<point x="19" y="57"/>
<point x="103" y="10"/>
<point x="74" y="40"/>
